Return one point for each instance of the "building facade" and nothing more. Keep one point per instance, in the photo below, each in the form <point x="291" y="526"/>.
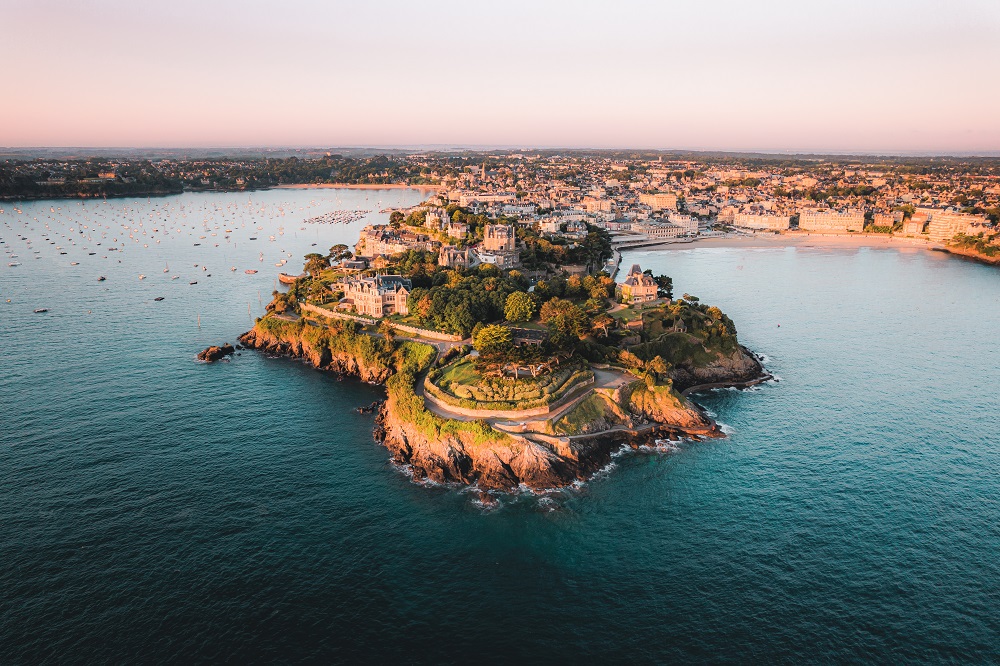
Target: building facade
<point x="375" y="296"/>
<point x="659" y="200"/>
<point x="453" y="257"/>
<point x="499" y="238"/>
<point x="945" y="225"/>
<point x="637" y="287"/>
<point x="831" y="221"/>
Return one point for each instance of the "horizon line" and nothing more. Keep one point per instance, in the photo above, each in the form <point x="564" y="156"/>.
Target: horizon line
<point x="478" y="148"/>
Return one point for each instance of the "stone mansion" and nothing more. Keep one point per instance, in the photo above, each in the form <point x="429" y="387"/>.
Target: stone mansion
<point x="375" y="296"/>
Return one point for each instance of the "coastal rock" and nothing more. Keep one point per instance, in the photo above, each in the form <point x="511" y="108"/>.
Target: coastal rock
<point x="298" y="347"/>
<point x="214" y="353"/>
<point x="494" y="460"/>
<point x="452" y="458"/>
<point x="740" y="367"/>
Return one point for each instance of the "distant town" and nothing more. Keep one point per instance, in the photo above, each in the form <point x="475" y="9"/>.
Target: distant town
<point x="637" y="197"/>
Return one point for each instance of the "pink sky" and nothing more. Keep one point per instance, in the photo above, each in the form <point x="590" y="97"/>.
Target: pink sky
<point x="919" y="75"/>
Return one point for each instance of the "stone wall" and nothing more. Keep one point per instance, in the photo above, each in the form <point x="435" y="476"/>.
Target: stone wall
<point x="427" y="333"/>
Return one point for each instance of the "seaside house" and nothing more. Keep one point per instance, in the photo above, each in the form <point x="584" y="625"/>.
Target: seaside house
<point x="375" y="296"/>
<point x="637" y="287"/>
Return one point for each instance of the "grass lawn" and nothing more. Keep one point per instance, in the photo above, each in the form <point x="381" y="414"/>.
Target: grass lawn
<point x="533" y="325"/>
<point x="461" y="373"/>
<point x="627" y="314"/>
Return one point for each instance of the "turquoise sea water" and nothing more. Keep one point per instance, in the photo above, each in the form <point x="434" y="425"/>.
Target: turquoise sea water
<point x="155" y="508"/>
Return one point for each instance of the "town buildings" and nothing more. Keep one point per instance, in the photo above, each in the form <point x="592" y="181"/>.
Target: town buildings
<point x="381" y="239"/>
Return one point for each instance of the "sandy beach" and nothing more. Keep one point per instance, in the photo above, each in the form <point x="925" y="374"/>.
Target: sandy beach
<point x="364" y="186"/>
<point x="796" y="239"/>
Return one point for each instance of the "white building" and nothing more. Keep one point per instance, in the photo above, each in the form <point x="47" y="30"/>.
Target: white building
<point x="944" y="225"/>
<point x="659" y="200"/>
<point x="831" y="221"/>
<point x="687" y="223"/>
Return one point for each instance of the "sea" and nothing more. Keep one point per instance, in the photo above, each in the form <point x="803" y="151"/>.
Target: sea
<point x="158" y="509"/>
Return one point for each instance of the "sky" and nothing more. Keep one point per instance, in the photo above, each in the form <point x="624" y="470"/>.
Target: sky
<point x="886" y="76"/>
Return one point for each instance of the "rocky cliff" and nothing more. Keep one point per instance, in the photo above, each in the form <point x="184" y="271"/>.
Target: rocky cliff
<point x="473" y="452"/>
<point x="740" y="367"/>
<point x="298" y="342"/>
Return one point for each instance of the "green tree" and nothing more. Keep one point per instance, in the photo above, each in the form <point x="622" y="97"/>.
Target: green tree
<point x="603" y="322"/>
<point x="316" y="264"/>
<point x="519" y="307"/>
<point x="493" y="340"/>
<point x="339" y="252"/>
<point x="565" y="320"/>
<point x="657" y="367"/>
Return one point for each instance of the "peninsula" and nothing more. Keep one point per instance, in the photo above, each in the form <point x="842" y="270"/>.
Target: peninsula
<point x="510" y="357"/>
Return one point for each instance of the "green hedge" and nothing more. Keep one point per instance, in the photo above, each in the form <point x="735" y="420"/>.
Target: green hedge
<point x="575" y="379"/>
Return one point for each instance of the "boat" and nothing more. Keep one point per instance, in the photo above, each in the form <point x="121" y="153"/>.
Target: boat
<point x="13" y="263"/>
<point x="232" y="268"/>
<point x="41" y="309"/>
<point x="74" y="263"/>
<point x="141" y="276"/>
<point x="195" y="282"/>
<point x="285" y="278"/>
<point x="101" y="279"/>
<point x="158" y="298"/>
<point x="249" y="271"/>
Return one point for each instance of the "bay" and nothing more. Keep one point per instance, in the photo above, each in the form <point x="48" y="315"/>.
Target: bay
<point x="156" y="508"/>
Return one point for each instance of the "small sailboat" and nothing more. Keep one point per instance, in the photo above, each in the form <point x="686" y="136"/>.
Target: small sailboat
<point x="166" y="267"/>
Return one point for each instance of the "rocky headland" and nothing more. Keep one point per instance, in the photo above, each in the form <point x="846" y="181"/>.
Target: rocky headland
<point x="490" y="454"/>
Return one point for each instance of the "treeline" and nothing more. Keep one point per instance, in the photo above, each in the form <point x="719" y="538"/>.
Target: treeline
<point x="30" y="179"/>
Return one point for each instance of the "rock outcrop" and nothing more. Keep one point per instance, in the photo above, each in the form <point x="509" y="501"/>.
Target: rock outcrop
<point x="505" y="463"/>
<point x="740" y="367"/>
<point x="215" y="353"/>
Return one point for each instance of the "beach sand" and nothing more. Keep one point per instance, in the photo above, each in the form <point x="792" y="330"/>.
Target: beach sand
<point x="364" y="186"/>
<point x="795" y="239"/>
